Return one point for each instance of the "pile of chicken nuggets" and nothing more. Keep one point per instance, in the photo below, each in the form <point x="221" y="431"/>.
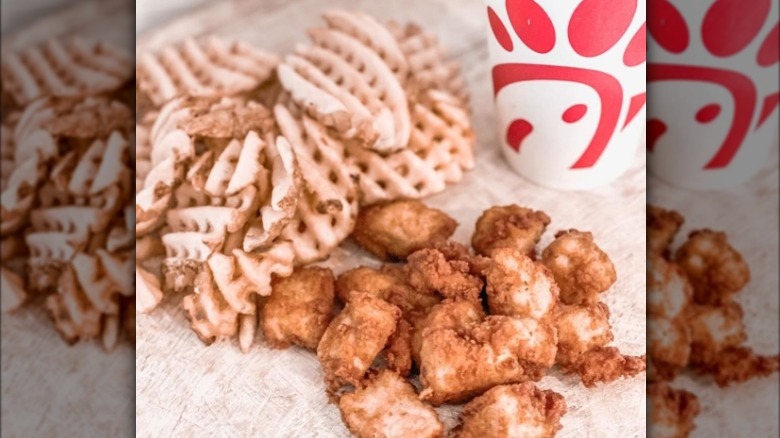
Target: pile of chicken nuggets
<point x="477" y="327"/>
<point x="693" y="321"/>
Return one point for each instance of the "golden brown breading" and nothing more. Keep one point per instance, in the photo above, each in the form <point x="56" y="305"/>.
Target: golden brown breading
<point x="662" y="227"/>
<point x="738" y="364"/>
<point x="355" y="337"/>
<point x="364" y="279"/>
<point x="428" y="270"/>
<point x="393" y="230"/>
<point x="452" y="250"/>
<point x="509" y="226"/>
<point x="300" y="308"/>
<point x="387" y="406"/>
<point x="715" y="269"/>
<point x="669" y="301"/>
<point x="509" y="411"/>
<point x="669" y="294"/>
<point x="672" y="411"/>
<point x="388" y="283"/>
<point x="456" y="365"/>
<point x="580" y="329"/>
<point x="604" y="365"/>
<point x="581" y="269"/>
<point x="669" y="346"/>
<point x="518" y="286"/>
<point x="713" y="329"/>
<point x="399" y="348"/>
<point x="455" y="315"/>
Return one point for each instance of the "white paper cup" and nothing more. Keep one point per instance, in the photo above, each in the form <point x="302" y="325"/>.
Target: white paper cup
<point x="569" y="85"/>
<point x="713" y="84"/>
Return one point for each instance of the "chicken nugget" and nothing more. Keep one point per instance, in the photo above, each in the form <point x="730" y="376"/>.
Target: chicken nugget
<point x="428" y="270"/>
<point x="509" y="226"/>
<point x="355" y="337"/>
<point x="300" y="308"/>
<point x="455" y="315"/>
<point x="518" y="286"/>
<point x="452" y="250"/>
<point x="669" y="346"/>
<point x="604" y="365"/>
<point x="456" y="365"/>
<point x="662" y="227"/>
<point x="364" y="279"/>
<point x="739" y="364"/>
<point x="672" y="411"/>
<point x="387" y="406"/>
<point x="669" y="294"/>
<point x="581" y="329"/>
<point x="388" y="283"/>
<point x="393" y="230"/>
<point x="713" y="329"/>
<point x="581" y="269"/>
<point x="715" y="269"/>
<point x="399" y="348"/>
<point x="509" y="411"/>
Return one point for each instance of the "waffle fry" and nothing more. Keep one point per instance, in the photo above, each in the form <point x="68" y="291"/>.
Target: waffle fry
<point x="85" y="305"/>
<point x="7" y="152"/>
<point x="206" y="67"/>
<point x="227" y="285"/>
<point x="349" y="80"/>
<point x="440" y="150"/>
<point x="327" y="208"/>
<point x="237" y="195"/>
<point x="70" y="68"/>
<point x="33" y="148"/>
<point x="237" y="190"/>
<point x="148" y="290"/>
<point x="248" y="179"/>
<point x="427" y="66"/>
<point x="372" y="34"/>
<point x="168" y="149"/>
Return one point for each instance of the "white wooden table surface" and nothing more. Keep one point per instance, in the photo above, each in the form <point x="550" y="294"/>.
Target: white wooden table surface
<point x="186" y="389"/>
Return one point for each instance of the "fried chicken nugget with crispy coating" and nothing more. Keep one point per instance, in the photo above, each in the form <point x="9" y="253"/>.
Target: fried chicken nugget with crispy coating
<point x="388" y="283"/>
<point x="355" y="337"/>
<point x="509" y="226"/>
<point x="455" y="315"/>
<point x="715" y="269"/>
<point x="387" y="406"/>
<point x="714" y="329"/>
<point x="399" y="348"/>
<point x="669" y="301"/>
<point x="367" y="280"/>
<point x="672" y="411"/>
<point x="739" y="364"/>
<point x="583" y="333"/>
<point x="605" y="365"/>
<point x="508" y="411"/>
<point x="300" y="308"/>
<point x="393" y="230"/>
<point x="581" y="329"/>
<point x="429" y="270"/>
<point x="669" y="346"/>
<point x="662" y="227"/>
<point x="581" y="269"/>
<point x="519" y="286"/>
<point x="456" y="365"/>
<point x="669" y="294"/>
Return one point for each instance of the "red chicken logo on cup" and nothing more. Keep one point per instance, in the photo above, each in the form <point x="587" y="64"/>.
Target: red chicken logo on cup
<point x="579" y="80"/>
<point x="713" y="86"/>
